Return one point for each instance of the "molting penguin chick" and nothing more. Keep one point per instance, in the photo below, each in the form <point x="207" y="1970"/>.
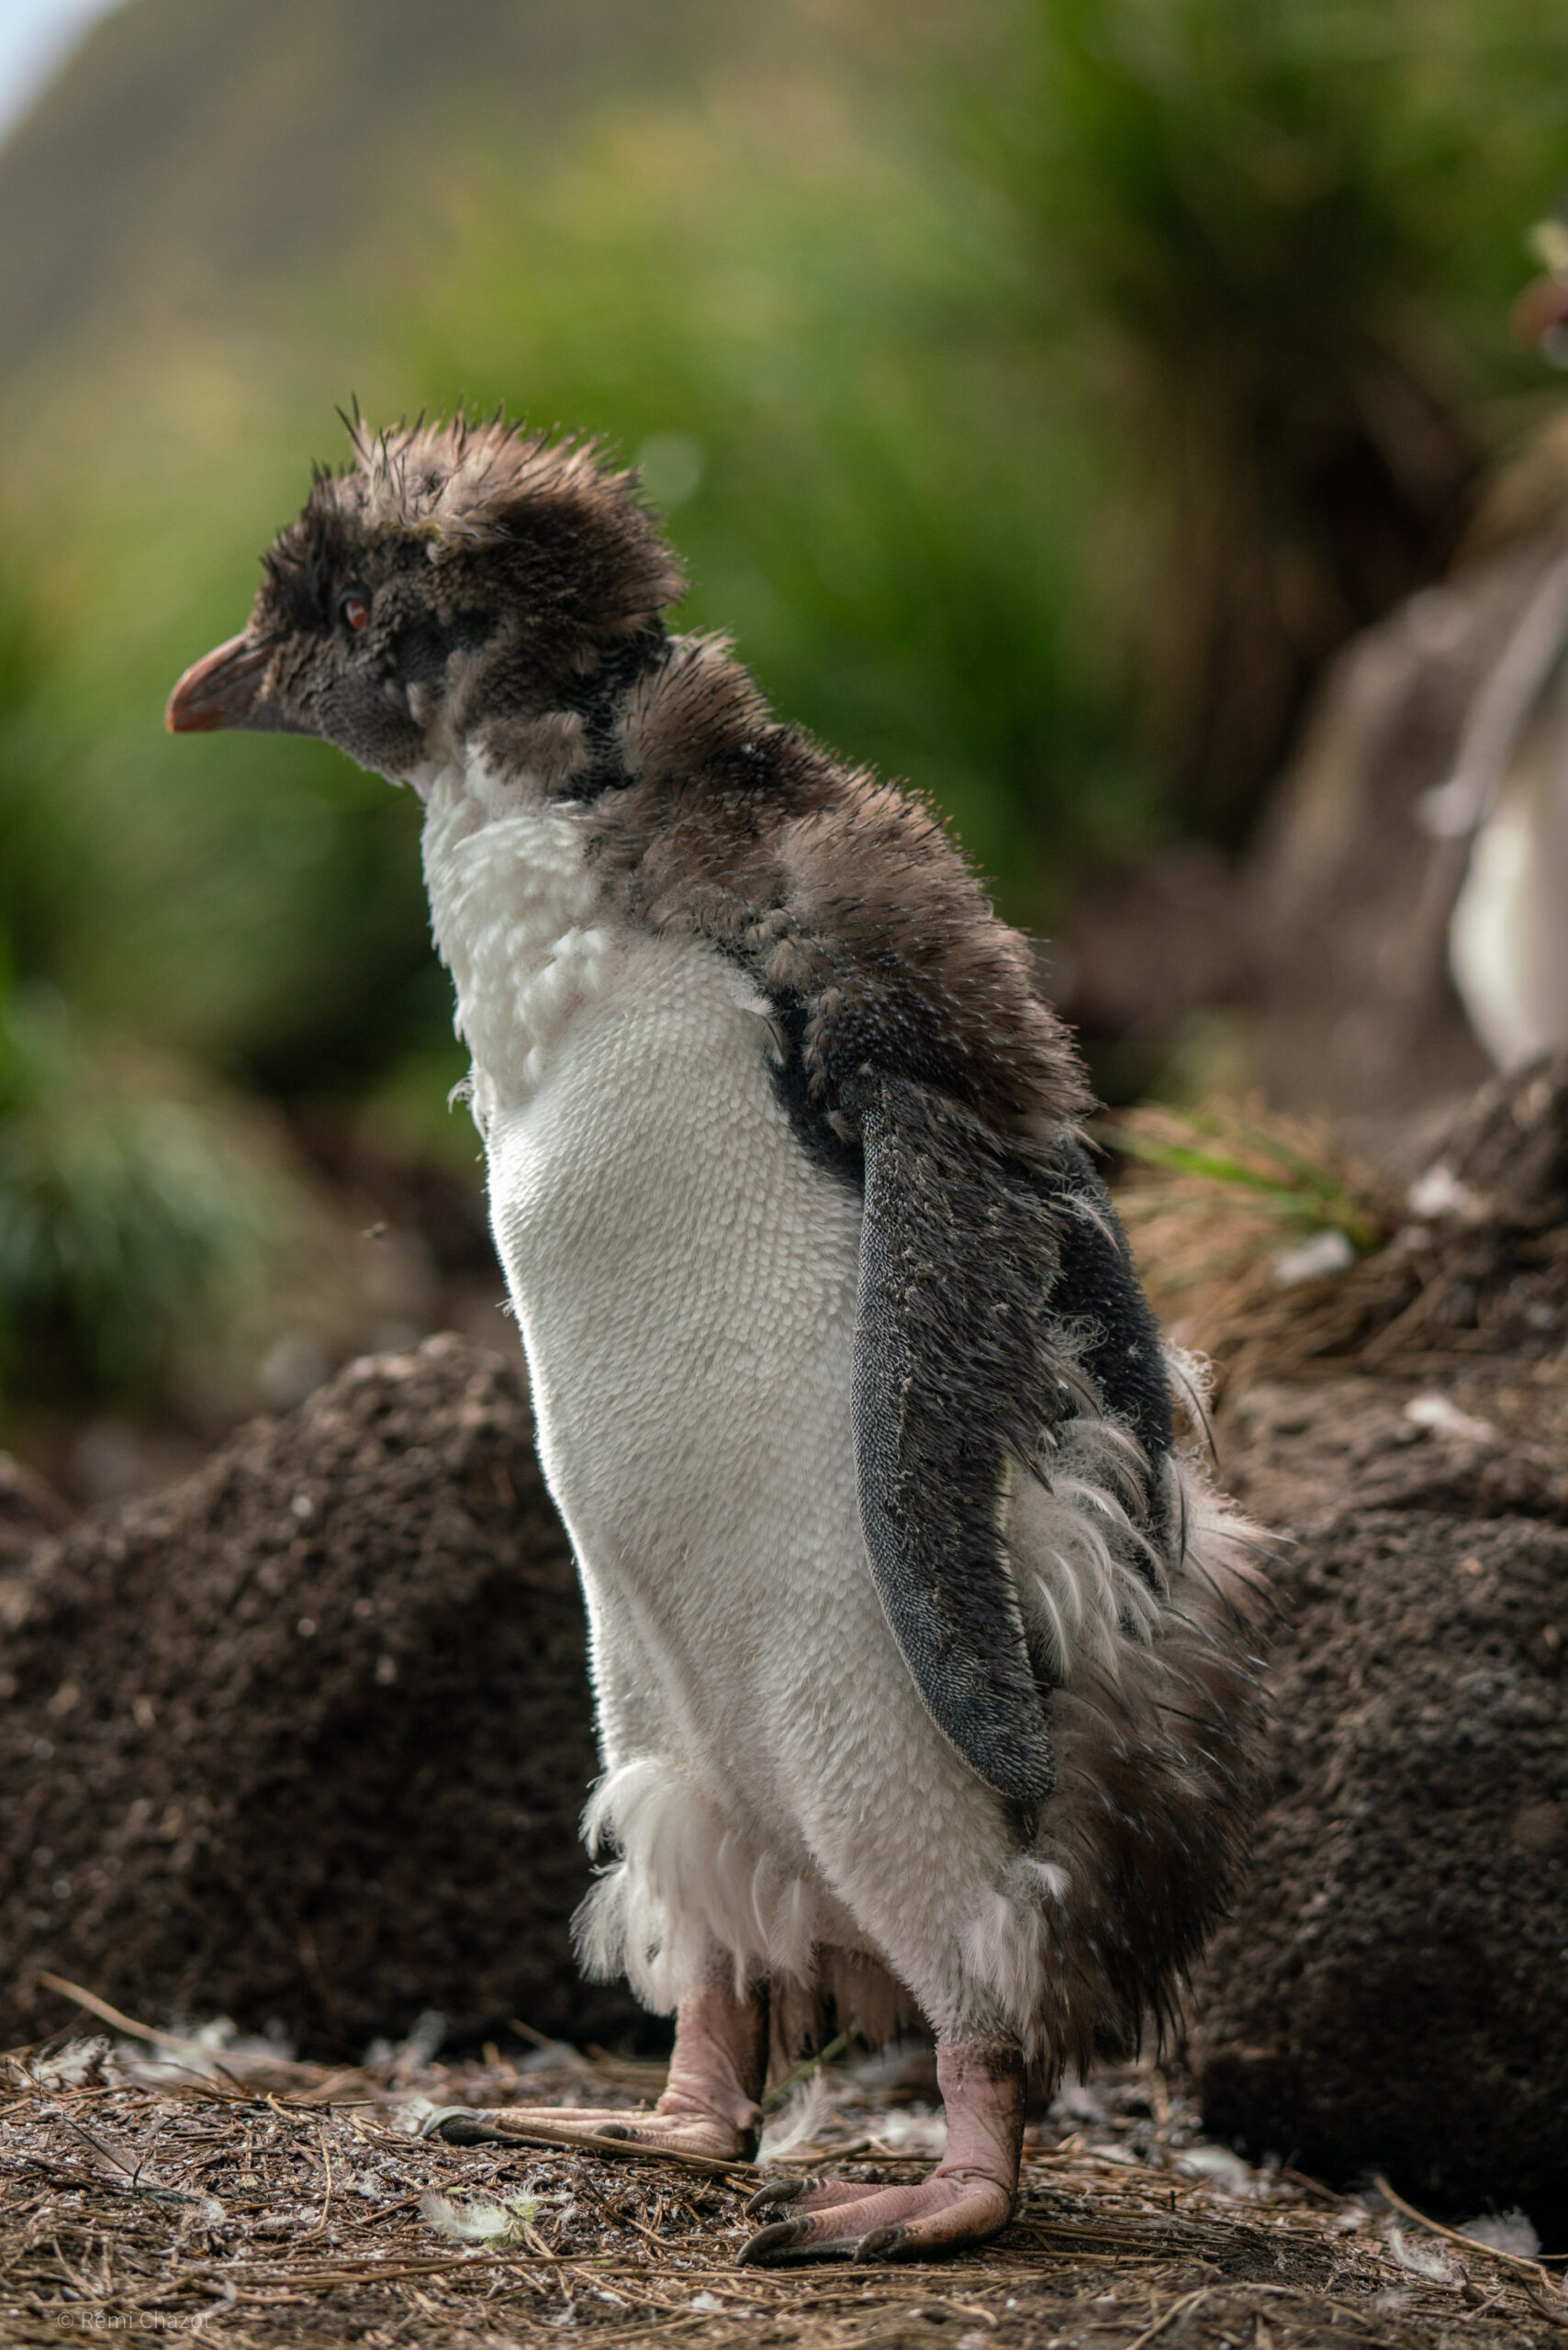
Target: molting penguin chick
<point x="924" y="1656"/>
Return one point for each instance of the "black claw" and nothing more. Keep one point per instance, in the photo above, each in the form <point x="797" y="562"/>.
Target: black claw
<point x="769" y="2243"/>
<point x="882" y="2243"/>
<point x="613" y="2130"/>
<point x="458" y="2127"/>
<point x="774" y="2191"/>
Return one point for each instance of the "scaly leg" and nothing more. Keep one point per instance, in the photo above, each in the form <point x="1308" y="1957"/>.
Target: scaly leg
<point x="969" y="2196"/>
<point x="710" y="2102"/>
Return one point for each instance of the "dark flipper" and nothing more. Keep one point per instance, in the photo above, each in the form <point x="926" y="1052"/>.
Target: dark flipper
<point x="1098" y="1292"/>
<point x="955" y="1374"/>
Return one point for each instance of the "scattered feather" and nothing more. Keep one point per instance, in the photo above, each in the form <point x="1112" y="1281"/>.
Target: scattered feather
<point x="1219" y="2164"/>
<point x="1423" y="2257"/>
<point x="69" y="2068"/>
<point x="1505" y="2231"/>
<point x="1318" y="1260"/>
<point x="798" y="2120"/>
<point x="1443" y="1418"/>
<point x="506" y="2219"/>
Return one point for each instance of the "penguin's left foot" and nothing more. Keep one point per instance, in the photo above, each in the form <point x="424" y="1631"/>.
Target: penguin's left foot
<point x="838" y="2221"/>
<point x="969" y="2196"/>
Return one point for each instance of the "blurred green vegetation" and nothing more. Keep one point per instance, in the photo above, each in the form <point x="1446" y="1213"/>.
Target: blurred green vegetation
<point x="1038" y="404"/>
<point x="1280" y="239"/>
<point x="132" y="1223"/>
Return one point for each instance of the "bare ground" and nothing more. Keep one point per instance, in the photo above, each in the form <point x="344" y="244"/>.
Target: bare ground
<point x="253" y="2201"/>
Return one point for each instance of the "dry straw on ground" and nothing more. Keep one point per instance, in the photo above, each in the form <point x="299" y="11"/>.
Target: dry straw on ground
<point x="1228" y="1207"/>
<point x="167" y="2184"/>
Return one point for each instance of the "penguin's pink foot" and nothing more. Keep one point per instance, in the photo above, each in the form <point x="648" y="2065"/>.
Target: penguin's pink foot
<point x="840" y="2222"/>
<point x="707" y="2134"/>
<point x="710" y="2103"/>
<point x="969" y="2196"/>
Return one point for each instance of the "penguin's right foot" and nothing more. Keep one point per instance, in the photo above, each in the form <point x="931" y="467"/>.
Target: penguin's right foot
<point x="708" y="2111"/>
<point x="707" y="2135"/>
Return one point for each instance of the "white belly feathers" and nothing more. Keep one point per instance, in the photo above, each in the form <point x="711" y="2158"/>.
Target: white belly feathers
<point x="684" y="1279"/>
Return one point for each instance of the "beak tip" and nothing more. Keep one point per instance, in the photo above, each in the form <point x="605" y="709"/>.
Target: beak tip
<point x="219" y="691"/>
<point x="183" y="717"/>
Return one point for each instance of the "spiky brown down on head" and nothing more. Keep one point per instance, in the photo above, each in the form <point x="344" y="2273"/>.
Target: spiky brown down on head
<point x="450" y="566"/>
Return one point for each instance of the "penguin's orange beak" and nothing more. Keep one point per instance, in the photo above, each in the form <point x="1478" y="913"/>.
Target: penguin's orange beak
<point x="222" y="690"/>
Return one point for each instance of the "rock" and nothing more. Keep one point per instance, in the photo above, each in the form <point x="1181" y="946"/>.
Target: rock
<point x="1350" y="888"/>
<point x="308" y="1735"/>
<point x="1389" y="1994"/>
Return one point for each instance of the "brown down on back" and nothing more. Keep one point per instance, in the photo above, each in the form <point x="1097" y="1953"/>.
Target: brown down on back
<point x="843" y="895"/>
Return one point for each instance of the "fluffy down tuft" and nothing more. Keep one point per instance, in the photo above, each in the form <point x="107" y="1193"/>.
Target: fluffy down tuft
<point x="689" y="1885"/>
<point x="1159" y="1749"/>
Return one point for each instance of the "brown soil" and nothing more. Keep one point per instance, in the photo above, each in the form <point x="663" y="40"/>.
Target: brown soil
<point x="306" y="1737"/>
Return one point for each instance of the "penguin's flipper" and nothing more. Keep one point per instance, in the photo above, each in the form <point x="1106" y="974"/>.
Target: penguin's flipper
<point x="955" y="1374"/>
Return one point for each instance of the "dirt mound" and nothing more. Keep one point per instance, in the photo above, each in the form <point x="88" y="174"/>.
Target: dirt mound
<point x="306" y="1737"/>
<point x="1389" y="1994"/>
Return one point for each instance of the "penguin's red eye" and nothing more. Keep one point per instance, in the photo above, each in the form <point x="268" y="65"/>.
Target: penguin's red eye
<point x="355" y="611"/>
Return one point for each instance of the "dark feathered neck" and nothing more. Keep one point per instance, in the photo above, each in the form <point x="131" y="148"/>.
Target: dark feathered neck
<point x="600" y="701"/>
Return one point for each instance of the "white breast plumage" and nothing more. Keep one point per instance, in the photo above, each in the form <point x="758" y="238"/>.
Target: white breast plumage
<point x="512" y="907"/>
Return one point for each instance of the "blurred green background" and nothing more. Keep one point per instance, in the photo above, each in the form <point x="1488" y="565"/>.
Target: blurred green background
<point x="1038" y="390"/>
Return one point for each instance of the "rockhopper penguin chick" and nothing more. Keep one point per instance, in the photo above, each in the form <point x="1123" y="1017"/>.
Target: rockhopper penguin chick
<point x="924" y="1659"/>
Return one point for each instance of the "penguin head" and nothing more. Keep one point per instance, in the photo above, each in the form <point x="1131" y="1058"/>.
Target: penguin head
<point x="451" y="575"/>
